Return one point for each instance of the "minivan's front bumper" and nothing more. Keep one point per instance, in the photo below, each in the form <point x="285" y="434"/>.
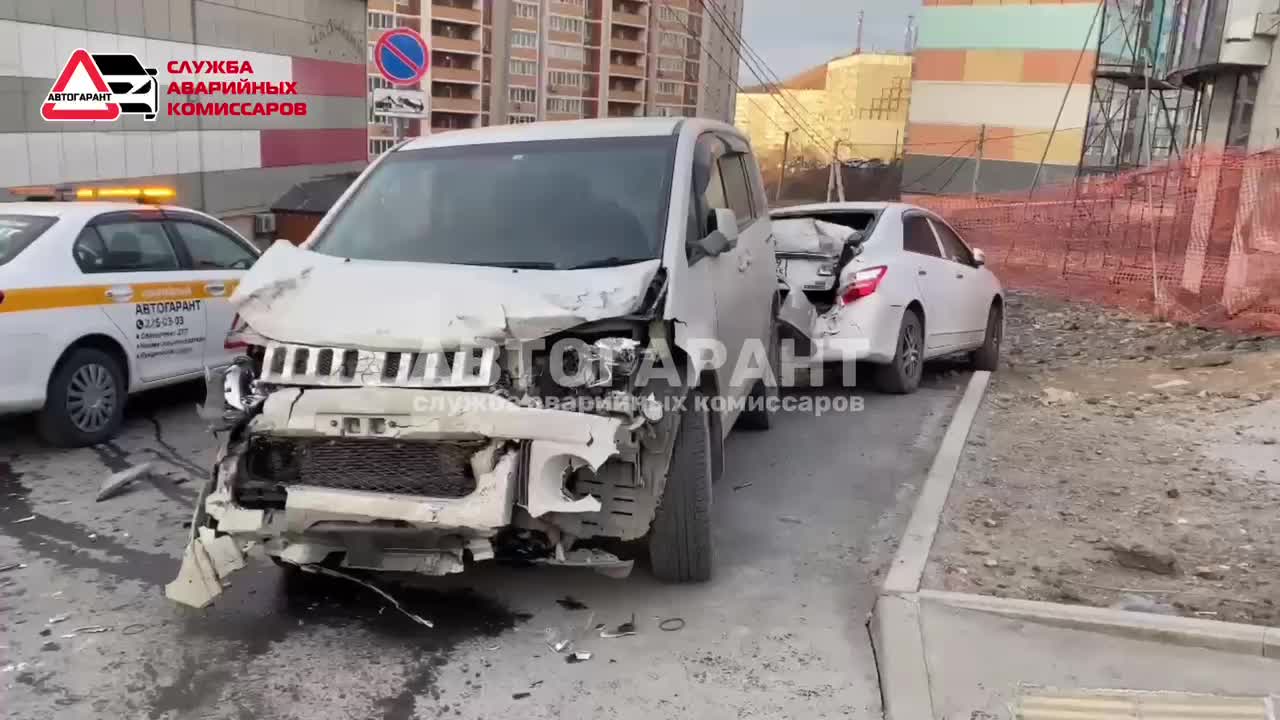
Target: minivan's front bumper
<point x="523" y="457"/>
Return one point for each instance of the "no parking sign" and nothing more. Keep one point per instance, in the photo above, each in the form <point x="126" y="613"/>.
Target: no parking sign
<point x="402" y="56"/>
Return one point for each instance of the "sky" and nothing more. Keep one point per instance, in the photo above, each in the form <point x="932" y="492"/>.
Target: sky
<point x="792" y="35"/>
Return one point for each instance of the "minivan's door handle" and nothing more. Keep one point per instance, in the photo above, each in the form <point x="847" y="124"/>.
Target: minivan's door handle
<point x="922" y="272"/>
<point x="120" y="294"/>
<point x="216" y="288"/>
<point x="959" y="276"/>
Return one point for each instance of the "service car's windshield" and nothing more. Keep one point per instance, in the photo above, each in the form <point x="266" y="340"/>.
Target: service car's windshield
<point x="19" y="231"/>
<point x="554" y="205"/>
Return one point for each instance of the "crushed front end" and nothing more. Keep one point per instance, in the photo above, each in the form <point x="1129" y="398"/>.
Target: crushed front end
<point x="423" y="461"/>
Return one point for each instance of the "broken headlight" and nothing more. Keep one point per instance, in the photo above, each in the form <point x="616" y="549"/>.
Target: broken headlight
<point x="576" y="364"/>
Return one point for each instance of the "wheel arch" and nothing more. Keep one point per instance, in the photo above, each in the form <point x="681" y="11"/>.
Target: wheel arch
<point x="97" y="341"/>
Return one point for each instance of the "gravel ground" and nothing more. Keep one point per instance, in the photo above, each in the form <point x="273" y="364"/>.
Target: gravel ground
<point x="1123" y="463"/>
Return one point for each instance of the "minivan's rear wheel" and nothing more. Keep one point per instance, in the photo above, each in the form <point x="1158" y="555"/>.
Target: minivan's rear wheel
<point x="85" y="401"/>
<point x="759" y="412"/>
<point x="987" y="357"/>
<point x="902" y="375"/>
<point x="680" y="539"/>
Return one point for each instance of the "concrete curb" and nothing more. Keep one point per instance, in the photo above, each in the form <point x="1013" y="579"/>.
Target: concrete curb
<point x="1255" y="640"/>
<point x="895" y="631"/>
<point x="913" y="552"/>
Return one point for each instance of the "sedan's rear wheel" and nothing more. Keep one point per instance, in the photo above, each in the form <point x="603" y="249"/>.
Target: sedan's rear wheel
<point x="902" y="375"/>
<point x="987" y="357"/>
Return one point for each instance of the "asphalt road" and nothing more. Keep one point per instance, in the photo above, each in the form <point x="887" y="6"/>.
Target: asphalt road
<point x="805" y="520"/>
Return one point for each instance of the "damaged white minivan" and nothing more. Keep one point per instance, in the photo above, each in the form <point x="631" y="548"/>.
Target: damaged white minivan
<point x="523" y="342"/>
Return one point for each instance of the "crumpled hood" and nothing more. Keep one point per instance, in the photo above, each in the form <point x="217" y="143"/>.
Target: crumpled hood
<point x="296" y="295"/>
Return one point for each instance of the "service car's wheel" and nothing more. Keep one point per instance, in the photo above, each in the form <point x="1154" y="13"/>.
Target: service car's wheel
<point x="902" y="375"/>
<point x="680" y="539"/>
<point x="759" y="412"/>
<point x="85" y="402"/>
<point x="987" y="357"/>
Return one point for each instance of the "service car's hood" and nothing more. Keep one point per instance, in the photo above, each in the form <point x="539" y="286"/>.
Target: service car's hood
<point x="295" y="295"/>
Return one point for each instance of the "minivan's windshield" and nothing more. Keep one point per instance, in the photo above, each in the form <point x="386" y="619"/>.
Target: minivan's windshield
<point x="554" y="205"/>
<point x="19" y="231"/>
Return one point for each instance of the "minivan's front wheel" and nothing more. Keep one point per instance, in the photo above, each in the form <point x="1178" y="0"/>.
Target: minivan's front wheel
<point x="680" y="539"/>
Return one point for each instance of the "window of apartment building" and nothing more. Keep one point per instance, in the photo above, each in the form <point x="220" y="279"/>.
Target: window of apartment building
<point x="1246" y="96"/>
<point x="377" y="146"/>
<point x="405" y="22"/>
<point x="566" y="52"/>
<point x="560" y="77"/>
<point x="381" y="20"/>
<point x="522" y="94"/>
<point x="579" y="3"/>
<point x="666" y="87"/>
<point x="520" y="38"/>
<point x="672" y="40"/>
<point x="671" y="64"/>
<point x="526" y="10"/>
<point x="572" y="106"/>
<point x="375" y="119"/>
<point x="520" y="118"/>
<point x="666" y="13"/>
<point x="668" y="111"/>
<point x="524" y="67"/>
<point x="565" y="24"/>
<point x="377" y="81"/>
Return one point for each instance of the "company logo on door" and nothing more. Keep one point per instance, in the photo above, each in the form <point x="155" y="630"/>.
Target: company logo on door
<point x="102" y="86"/>
<point x="105" y="86"/>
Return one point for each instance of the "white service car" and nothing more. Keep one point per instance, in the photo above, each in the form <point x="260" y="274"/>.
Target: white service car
<point x="895" y="277"/>
<point x="102" y="299"/>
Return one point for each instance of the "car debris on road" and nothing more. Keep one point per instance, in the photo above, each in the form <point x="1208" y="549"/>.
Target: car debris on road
<point x="117" y="482"/>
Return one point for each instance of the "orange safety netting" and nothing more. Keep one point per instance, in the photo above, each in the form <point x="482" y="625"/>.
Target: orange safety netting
<point x="1195" y="240"/>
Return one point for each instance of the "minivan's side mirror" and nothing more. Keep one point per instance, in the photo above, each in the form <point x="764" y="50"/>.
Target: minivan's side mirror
<point x="979" y="258"/>
<point x="722" y="238"/>
<point x="726" y="221"/>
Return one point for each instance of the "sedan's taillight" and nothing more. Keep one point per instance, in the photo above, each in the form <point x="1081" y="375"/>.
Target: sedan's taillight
<point x="864" y="283"/>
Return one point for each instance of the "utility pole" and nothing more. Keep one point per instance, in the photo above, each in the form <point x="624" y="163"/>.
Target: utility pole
<point x="861" y="15"/>
<point x="782" y="177"/>
<point x="977" y="170"/>
<point x="911" y="24"/>
<point x="835" y="170"/>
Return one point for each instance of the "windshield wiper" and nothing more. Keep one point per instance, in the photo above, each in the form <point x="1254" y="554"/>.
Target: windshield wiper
<point x="609" y="262"/>
<point x="518" y="265"/>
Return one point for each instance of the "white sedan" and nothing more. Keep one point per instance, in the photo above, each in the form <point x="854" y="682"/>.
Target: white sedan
<point x="892" y="284"/>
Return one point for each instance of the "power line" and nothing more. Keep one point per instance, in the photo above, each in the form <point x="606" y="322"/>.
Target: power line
<point x="800" y="125"/>
<point x="717" y="18"/>
<point x="937" y="167"/>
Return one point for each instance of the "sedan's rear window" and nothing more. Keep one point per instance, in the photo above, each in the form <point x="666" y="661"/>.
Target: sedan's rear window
<point x="19" y="231"/>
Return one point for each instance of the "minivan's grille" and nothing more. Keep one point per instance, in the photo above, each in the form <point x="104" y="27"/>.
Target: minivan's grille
<point x="289" y="364"/>
<point x="427" y="469"/>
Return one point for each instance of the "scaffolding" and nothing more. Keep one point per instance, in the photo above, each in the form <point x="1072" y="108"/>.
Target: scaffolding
<point x="1136" y="117"/>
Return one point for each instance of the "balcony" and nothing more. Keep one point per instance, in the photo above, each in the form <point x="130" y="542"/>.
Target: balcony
<point x="455" y="104"/>
<point x="569" y="9"/>
<point x="455" y="74"/>
<point x="523" y="108"/>
<point x="565" y="90"/>
<point x="460" y="12"/>
<point x="635" y="71"/>
<point x="630" y="96"/>
<point x="633" y="19"/>
<point x="455" y="44"/>
<point x="628" y="44"/>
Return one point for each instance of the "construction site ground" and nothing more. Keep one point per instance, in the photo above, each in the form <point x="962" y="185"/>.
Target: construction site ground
<point x="1121" y="462"/>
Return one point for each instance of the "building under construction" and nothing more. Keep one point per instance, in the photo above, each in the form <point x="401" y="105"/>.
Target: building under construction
<point x="1093" y="87"/>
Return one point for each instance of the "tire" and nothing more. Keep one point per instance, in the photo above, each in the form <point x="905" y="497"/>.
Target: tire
<point x="987" y="357"/>
<point x="680" y="538"/>
<point x="759" y="413"/>
<point x="902" y="375"/>
<point x="85" y="401"/>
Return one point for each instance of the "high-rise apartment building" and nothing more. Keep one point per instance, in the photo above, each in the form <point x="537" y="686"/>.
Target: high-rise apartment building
<point x="516" y="61"/>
